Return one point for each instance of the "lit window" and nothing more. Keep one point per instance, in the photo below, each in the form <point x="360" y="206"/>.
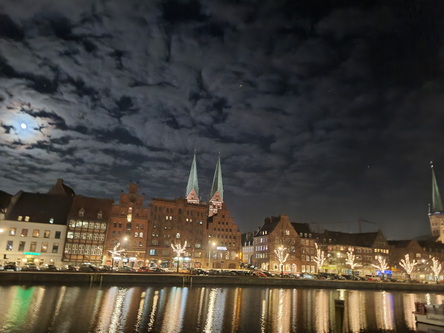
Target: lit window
<point x="51" y="220"/>
<point x="19" y="218"/>
<point x="9" y="246"/>
<point x="47" y="234"/>
<point x="27" y="218"/>
<point x="141" y="234"/>
<point x="35" y="233"/>
<point x="24" y="233"/>
<point x="12" y="231"/>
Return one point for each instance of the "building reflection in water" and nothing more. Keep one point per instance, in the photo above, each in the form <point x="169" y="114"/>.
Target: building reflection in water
<point x="203" y="309"/>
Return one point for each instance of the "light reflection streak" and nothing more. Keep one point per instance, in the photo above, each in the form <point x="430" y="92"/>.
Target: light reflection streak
<point x="294" y="310"/>
<point x="153" y="311"/>
<point x="321" y="311"/>
<point x="263" y="316"/>
<point x="106" y="311"/>
<point x="408" y="301"/>
<point x="355" y="316"/>
<point x="201" y="294"/>
<point x="96" y="307"/>
<point x="141" y="309"/>
<point x="384" y="311"/>
<point x="173" y="317"/>
<point x="210" y="314"/>
<point x="117" y="310"/>
<point x="235" y="318"/>
<point x="61" y="296"/>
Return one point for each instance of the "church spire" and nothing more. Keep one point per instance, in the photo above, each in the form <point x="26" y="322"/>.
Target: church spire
<point x="436" y="197"/>
<point x="192" y="194"/>
<point x="217" y="190"/>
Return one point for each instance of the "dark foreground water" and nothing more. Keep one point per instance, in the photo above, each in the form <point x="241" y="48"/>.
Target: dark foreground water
<point x="203" y="309"/>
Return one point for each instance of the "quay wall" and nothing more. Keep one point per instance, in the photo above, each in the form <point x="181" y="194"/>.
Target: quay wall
<point x="30" y="278"/>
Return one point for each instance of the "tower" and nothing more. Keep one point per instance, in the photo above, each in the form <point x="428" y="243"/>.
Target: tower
<point x="217" y="190"/>
<point x="436" y="212"/>
<point x="192" y="193"/>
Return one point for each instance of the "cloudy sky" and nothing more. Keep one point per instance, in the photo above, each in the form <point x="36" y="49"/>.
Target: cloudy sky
<point x="328" y="111"/>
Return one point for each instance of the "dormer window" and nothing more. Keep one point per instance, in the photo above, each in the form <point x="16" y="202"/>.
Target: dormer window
<point x="99" y="215"/>
<point x="81" y="212"/>
<point x="51" y="220"/>
<point x="26" y="218"/>
<point x="19" y="218"/>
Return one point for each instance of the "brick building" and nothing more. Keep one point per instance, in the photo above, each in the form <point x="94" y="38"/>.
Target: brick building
<point x="126" y="239"/>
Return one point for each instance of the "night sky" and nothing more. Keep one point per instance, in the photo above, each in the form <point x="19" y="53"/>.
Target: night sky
<point x="328" y="111"/>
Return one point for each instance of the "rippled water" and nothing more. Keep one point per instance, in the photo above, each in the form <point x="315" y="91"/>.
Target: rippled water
<point x="203" y="309"/>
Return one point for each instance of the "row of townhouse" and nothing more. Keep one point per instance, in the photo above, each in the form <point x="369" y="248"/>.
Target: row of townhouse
<point x="60" y="227"/>
<point x="334" y="252"/>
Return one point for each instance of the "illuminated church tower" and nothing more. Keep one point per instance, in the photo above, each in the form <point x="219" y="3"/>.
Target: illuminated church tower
<point x="436" y="212"/>
<point x="217" y="190"/>
<point x="192" y="193"/>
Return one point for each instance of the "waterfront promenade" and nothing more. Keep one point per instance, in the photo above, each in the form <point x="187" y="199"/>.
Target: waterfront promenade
<point x="81" y="278"/>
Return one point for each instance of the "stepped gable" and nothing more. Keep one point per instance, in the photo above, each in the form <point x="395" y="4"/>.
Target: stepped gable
<point x="39" y="207"/>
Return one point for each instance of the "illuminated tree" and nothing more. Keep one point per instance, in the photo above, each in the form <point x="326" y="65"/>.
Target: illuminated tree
<point x="319" y="259"/>
<point x="381" y="265"/>
<point x="282" y="257"/>
<point x="351" y="260"/>
<point x="179" y="250"/>
<point x="116" y="253"/>
<point x="408" y="265"/>
<point x="436" y="268"/>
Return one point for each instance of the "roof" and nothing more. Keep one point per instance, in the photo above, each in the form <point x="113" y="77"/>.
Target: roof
<point x="193" y="183"/>
<point x="39" y="207"/>
<point x="301" y="227"/>
<point x="91" y="207"/>
<point x="217" y="181"/>
<point x="363" y="239"/>
<point x="5" y="200"/>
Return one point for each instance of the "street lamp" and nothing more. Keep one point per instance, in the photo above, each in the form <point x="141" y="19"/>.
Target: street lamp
<point x="209" y="255"/>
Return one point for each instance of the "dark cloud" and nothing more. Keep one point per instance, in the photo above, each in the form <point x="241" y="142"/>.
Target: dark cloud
<point x="329" y="111"/>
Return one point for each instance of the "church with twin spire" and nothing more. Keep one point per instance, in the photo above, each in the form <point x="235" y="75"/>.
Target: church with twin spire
<point x="212" y="238"/>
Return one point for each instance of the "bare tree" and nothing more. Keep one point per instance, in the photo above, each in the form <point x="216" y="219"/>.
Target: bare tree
<point x="381" y="265"/>
<point x="319" y="259"/>
<point x="436" y="268"/>
<point x="282" y="257"/>
<point x="408" y="265"/>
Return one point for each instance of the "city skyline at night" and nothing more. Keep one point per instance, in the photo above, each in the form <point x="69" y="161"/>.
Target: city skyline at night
<point x="327" y="111"/>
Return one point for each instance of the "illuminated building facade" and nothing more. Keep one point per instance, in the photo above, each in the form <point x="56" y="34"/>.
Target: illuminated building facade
<point x="436" y="211"/>
<point x="126" y="238"/>
<point x="88" y="220"/>
<point x="34" y="228"/>
<point x="277" y="235"/>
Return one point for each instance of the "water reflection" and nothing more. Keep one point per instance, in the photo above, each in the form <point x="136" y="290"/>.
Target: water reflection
<point x="203" y="309"/>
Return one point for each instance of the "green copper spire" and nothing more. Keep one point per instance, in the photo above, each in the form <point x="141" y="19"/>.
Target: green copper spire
<point x="192" y="193"/>
<point x="217" y="182"/>
<point x="436" y="197"/>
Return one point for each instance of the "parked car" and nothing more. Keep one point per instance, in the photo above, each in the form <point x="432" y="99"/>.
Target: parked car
<point x="10" y="266"/>
<point x="87" y="267"/>
<point x="144" y="269"/>
<point x="259" y="273"/>
<point x="199" y="271"/>
<point x="48" y="268"/>
<point x="69" y="268"/>
<point x="125" y="269"/>
<point x="105" y="268"/>
<point x="30" y="267"/>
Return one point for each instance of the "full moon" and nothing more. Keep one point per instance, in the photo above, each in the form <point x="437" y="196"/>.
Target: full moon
<point x="23" y="125"/>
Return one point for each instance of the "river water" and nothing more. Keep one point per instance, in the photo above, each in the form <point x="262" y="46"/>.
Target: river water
<point x="204" y="309"/>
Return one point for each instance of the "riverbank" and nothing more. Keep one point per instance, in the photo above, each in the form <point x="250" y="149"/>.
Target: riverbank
<point x="30" y="278"/>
